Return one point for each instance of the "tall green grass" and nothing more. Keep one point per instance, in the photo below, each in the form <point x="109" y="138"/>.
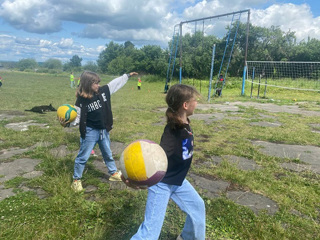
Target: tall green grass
<point x="116" y="214"/>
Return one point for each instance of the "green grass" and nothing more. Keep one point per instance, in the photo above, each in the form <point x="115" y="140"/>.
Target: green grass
<point x="117" y="214"/>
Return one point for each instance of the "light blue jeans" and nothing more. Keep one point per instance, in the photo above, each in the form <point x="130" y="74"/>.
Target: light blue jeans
<point x="188" y="200"/>
<point x="94" y="136"/>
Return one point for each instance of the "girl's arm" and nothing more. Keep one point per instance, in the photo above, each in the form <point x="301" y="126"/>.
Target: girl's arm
<point x="77" y="120"/>
<point x="119" y="82"/>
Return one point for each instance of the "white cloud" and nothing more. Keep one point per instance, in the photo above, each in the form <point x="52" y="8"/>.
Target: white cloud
<point x="289" y="17"/>
<point x="31" y="15"/>
<point x="45" y="50"/>
<point x="65" y="43"/>
<point x="139" y="21"/>
<point x="100" y="48"/>
<point x="6" y="40"/>
<point x="45" y="43"/>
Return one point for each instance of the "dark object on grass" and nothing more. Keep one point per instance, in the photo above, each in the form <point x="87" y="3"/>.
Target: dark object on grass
<point x="42" y="109"/>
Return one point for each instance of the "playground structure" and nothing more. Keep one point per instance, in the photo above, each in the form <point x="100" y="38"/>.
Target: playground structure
<point x="209" y="26"/>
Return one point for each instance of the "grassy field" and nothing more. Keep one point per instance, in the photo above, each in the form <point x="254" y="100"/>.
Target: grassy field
<point x="117" y="214"/>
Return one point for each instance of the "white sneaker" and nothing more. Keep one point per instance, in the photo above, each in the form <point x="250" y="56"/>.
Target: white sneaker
<point x="116" y="177"/>
<point x="77" y="186"/>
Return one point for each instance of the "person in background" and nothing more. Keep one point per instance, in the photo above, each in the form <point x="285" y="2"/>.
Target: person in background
<point x="177" y="142"/>
<point x="219" y="85"/>
<point x="95" y="120"/>
<point x="72" y="80"/>
<point x="139" y="84"/>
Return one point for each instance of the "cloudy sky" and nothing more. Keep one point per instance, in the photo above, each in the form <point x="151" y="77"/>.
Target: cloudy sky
<point x="43" y="29"/>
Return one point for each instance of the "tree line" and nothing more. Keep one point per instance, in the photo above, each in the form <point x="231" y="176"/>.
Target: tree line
<point x="264" y="44"/>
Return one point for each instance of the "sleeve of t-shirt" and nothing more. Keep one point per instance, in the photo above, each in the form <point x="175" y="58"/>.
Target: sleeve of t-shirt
<point x="77" y="120"/>
<point x="117" y="83"/>
<point x="168" y="142"/>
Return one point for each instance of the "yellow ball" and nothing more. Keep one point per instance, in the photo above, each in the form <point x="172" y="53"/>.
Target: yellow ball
<point x="143" y="162"/>
<point x="67" y="112"/>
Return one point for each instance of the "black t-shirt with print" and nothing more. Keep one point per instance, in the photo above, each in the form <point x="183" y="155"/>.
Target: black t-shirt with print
<point x="95" y="114"/>
<point x="178" y="145"/>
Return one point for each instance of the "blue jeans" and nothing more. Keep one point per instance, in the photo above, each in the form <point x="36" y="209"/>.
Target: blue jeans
<point x="94" y="136"/>
<point x="188" y="200"/>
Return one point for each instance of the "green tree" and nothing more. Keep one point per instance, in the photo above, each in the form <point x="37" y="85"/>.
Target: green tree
<point x="307" y="51"/>
<point x="53" y="63"/>
<point x="75" y="61"/>
<point x="91" y="66"/>
<point x="27" y="63"/>
<point x="121" y="65"/>
<point x="153" y="60"/>
<point x="111" y="52"/>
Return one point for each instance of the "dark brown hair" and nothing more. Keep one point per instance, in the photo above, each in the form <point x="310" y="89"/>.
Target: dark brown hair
<point x="86" y="80"/>
<point x="176" y="96"/>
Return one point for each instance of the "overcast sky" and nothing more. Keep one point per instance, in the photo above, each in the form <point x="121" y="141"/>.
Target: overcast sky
<point x="43" y="29"/>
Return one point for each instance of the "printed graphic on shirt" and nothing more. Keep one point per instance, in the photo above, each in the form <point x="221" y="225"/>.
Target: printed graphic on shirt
<point x="104" y="97"/>
<point x="187" y="148"/>
<point x="94" y="106"/>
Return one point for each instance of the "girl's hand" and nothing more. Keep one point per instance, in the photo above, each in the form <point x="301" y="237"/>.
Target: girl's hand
<point x="133" y="73"/>
<point x="132" y="185"/>
<point x="63" y="122"/>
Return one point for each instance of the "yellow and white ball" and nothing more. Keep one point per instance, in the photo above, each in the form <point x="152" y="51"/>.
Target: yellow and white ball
<point x="143" y="163"/>
<point x="67" y="112"/>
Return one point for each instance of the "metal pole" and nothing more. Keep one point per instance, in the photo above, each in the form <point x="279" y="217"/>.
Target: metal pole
<point x="211" y="71"/>
<point x="217" y="16"/>
<point x="244" y="79"/>
<point x="252" y="81"/>
<point x="246" y="51"/>
<point x="265" y="88"/>
<point x="247" y="38"/>
<point x="180" y="61"/>
<point x="259" y="85"/>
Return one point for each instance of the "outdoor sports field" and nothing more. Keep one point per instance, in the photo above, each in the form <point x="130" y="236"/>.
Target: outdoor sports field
<point x="256" y="163"/>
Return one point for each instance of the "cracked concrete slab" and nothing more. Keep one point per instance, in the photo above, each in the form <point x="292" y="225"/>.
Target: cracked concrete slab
<point x="9" y="170"/>
<point x="24" y="126"/>
<point x="8" y="153"/>
<point x="6" y="192"/>
<point x="307" y="154"/>
<point x="23" y="167"/>
<point x="266" y="124"/>
<point x="208" y="118"/>
<point x="270" y="107"/>
<point x="213" y="188"/>
<point x="6" y="115"/>
<point x="240" y="162"/>
<point x="255" y="202"/>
